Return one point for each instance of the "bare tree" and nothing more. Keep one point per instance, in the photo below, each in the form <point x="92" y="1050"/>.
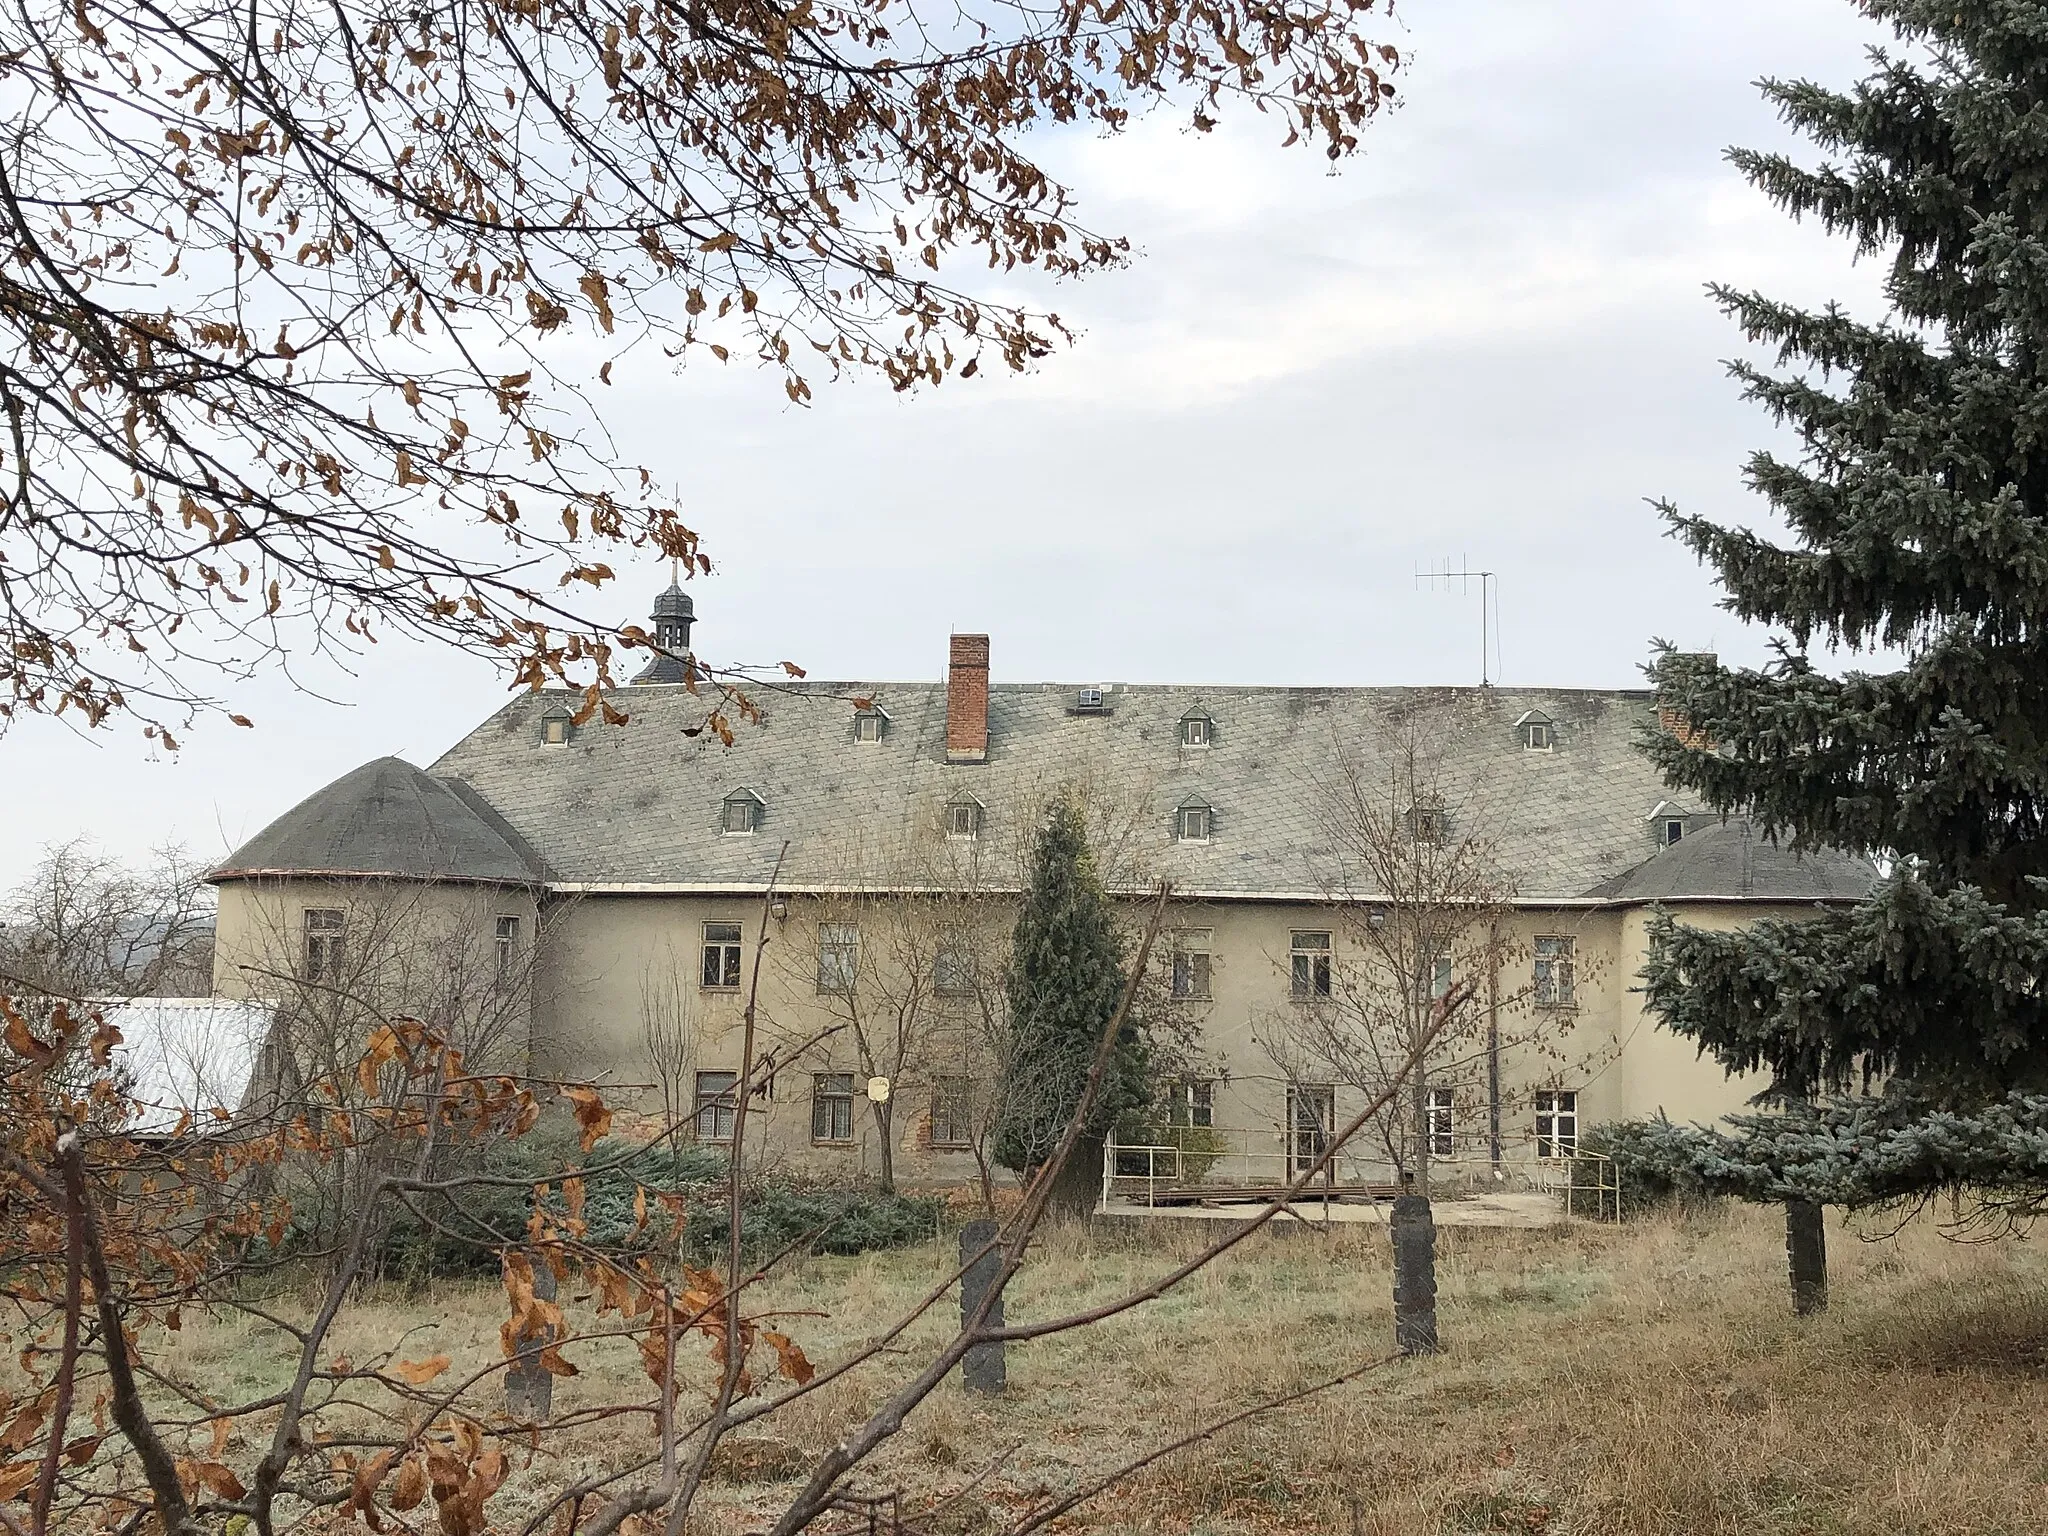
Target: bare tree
<point x="85" y="924"/>
<point x="289" y="295"/>
<point x="668" y="1031"/>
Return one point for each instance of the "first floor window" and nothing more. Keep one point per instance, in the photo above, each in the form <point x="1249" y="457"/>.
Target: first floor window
<point x="832" y="1106"/>
<point x="952" y="1112"/>
<point x="1438" y="1113"/>
<point x="1554" y="979"/>
<point x="1309" y="958"/>
<point x="1434" y="982"/>
<point x="1557" y="1122"/>
<point x="953" y="969"/>
<point x="1191" y="964"/>
<point x="1192" y="1101"/>
<point x="716" y="1098"/>
<point x="838" y="956"/>
<point x="721" y="957"/>
<point x="508" y="945"/>
<point x="324" y="928"/>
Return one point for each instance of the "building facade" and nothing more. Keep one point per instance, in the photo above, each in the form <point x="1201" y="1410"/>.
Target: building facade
<point x="850" y="862"/>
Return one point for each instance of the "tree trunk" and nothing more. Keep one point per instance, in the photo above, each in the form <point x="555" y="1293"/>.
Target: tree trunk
<point x="1079" y="1186"/>
<point x="1413" y="1228"/>
<point x="884" y="1116"/>
<point x="1806" y="1249"/>
<point x="982" y="1369"/>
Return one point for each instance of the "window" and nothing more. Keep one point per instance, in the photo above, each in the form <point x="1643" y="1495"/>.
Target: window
<point x="1196" y="730"/>
<point x="508" y="945"/>
<point x="1437" y="1119"/>
<point x="1537" y="736"/>
<point x="1191" y="964"/>
<point x="1311" y="1116"/>
<point x="1089" y="698"/>
<point x="1426" y="824"/>
<point x="1191" y="823"/>
<point x="1191" y="1101"/>
<point x="1554" y="979"/>
<point x="1557" y="1122"/>
<point x="1672" y="830"/>
<point x="1309" y="957"/>
<point x="953" y="969"/>
<point x="742" y="812"/>
<point x="556" y="728"/>
<point x="838" y="956"/>
<point x="953" y="1112"/>
<point x="867" y="725"/>
<point x="832" y="1106"/>
<point x="715" y="1099"/>
<point x="721" y="957"/>
<point x="1433" y="984"/>
<point x="963" y="818"/>
<point x="324" y="928"/>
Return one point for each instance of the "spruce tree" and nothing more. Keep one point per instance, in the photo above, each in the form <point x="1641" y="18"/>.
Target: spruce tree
<point x="1918" y="514"/>
<point x="1065" y="979"/>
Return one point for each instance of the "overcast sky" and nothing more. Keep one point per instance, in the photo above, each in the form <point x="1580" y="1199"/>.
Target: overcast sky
<point x="1485" y="340"/>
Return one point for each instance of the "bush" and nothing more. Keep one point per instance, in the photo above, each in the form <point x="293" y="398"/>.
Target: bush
<point x="1657" y="1162"/>
<point x="443" y="1237"/>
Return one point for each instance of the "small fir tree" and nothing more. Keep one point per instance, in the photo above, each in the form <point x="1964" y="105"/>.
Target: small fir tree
<point x="1918" y="513"/>
<point x="1065" y="979"/>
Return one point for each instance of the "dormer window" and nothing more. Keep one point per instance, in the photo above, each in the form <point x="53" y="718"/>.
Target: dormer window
<point x="1671" y="831"/>
<point x="963" y="817"/>
<point x="1089" y="699"/>
<point x="1197" y="729"/>
<point x="1536" y="732"/>
<point x="870" y="725"/>
<point x="1193" y="822"/>
<point x="742" y="813"/>
<point x="557" y="728"/>
<point x="1426" y="824"/>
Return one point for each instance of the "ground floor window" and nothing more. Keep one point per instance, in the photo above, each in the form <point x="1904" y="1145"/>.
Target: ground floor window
<point x="1191" y="1101"/>
<point x="1442" y="1134"/>
<point x="832" y="1106"/>
<point x="715" y="1103"/>
<point x="953" y="1113"/>
<point x="1311" y="1117"/>
<point x="1557" y="1122"/>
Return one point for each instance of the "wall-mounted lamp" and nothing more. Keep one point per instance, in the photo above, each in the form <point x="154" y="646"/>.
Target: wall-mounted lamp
<point x="778" y="909"/>
<point x="1375" y="917"/>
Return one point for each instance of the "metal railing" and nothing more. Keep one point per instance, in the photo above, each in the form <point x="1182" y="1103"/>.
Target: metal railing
<point x="1245" y="1164"/>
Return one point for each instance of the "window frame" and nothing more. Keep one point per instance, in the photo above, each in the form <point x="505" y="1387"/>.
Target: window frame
<point x="1191" y="1103"/>
<point x="730" y="953"/>
<point x="830" y="1106"/>
<point x="1200" y="815"/>
<point x="749" y="808"/>
<point x="1306" y="1139"/>
<point x="959" y="1123"/>
<point x="720" y="1104"/>
<point x="1538" y="736"/>
<point x="1672" y="832"/>
<point x="1553" y="977"/>
<point x="963" y="819"/>
<point x="321" y="946"/>
<point x="1308" y="964"/>
<point x="1088" y="697"/>
<point x="1557" y="1124"/>
<point x="869" y="725"/>
<point x="507" y="939"/>
<point x="1426" y="824"/>
<point x="1439" y="1119"/>
<point x="953" y="969"/>
<point x="557" y="728"/>
<point x="841" y="953"/>
<point x="1192" y="966"/>
<point x="1197" y="731"/>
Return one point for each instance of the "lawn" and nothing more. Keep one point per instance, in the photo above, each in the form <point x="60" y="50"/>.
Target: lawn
<point x="1640" y="1380"/>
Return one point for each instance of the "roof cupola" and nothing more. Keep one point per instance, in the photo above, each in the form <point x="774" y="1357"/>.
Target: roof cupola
<point x="673" y="614"/>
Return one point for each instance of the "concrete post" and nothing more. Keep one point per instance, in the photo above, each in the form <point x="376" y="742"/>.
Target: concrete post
<point x="529" y="1385"/>
<point x="983" y="1369"/>
<point x="1806" y="1250"/>
<point x="1413" y="1228"/>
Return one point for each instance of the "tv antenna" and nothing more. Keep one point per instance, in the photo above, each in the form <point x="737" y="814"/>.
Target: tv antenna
<point x="1489" y="593"/>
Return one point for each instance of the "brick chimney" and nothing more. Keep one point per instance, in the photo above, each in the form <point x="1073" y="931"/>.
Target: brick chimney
<point x="967" y="700"/>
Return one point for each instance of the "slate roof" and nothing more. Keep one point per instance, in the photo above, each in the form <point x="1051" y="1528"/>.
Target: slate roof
<point x="389" y="818"/>
<point x="640" y="805"/>
<point x="1732" y="859"/>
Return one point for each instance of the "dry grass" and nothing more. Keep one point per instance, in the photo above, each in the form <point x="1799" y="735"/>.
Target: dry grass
<point x="1614" y="1382"/>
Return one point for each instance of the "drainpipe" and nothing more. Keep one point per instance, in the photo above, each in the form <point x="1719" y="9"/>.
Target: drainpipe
<point x="1493" y="1043"/>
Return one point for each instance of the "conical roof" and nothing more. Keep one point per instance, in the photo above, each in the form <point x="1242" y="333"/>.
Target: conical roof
<point x="388" y="818"/>
<point x="1731" y="859"/>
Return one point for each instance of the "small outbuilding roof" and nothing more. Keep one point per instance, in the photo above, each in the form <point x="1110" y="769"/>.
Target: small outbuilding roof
<point x="1732" y="860"/>
<point x="186" y="1056"/>
<point x="389" y="818"/>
